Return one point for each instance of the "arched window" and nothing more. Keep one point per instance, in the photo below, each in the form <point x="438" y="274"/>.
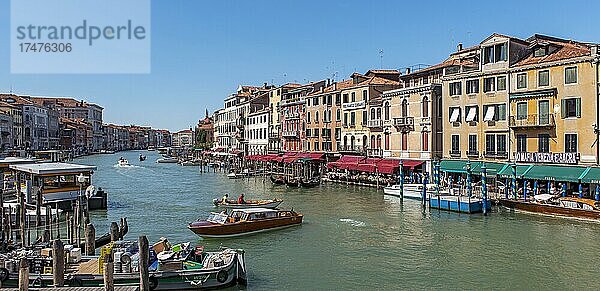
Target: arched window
<point x="372" y="113"/>
<point x="378" y="113"/>
<point x="308" y="117"/>
<point x="379" y="141"/>
<point x="387" y="141"/>
<point x="425" y="139"/>
<point x="372" y="141"/>
<point x="338" y="115"/>
<point x="317" y="117"/>
<point x="345" y="141"/>
<point x="404" y="108"/>
<point x="404" y="141"/>
<point x="386" y="110"/>
<point x="352" y="142"/>
<point x="425" y="110"/>
<point x="364" y="142"/>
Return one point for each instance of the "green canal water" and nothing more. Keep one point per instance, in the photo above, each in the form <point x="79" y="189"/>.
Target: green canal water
<point x="355" y="238"/>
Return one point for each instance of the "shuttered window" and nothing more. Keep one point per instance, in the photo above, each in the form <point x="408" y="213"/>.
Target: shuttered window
<point x="570" y="107"/>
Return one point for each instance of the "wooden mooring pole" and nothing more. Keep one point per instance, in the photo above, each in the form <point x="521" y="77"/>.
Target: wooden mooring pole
<point x="23" y="275"/>
<point x="90" y="240"/>
<point x="108" y="272"/>
<point x="58" y="263"/>
<point x="143" y="263"/>
<point x="114" y="231"/>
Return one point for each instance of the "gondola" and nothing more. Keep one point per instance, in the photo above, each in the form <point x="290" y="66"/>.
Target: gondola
<point x="277" y="181"/>
<point x="309" y="183"/>
<point x="292" y="182"/>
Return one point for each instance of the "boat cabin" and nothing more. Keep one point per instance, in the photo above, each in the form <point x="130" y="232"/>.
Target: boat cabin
<point x="6" y="173"/>
<point x="249" y="214"/>
<point x="57" y="182"/>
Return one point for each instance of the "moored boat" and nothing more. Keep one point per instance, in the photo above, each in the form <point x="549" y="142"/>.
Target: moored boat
<point x="167" y="160"/>
<point x="244" y="221"/>
<point x="234" y="175"/>
<point x="292" y="182"/>
<point x="277" y="180"/>
<point x="570" y="207"/>
<point x="269" y="203"/>
<point x="411" y="191"/>
<point x="308" y="183"/>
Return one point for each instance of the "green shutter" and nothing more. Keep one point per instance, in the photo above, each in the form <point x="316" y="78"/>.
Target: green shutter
<point x="563" y="108"/>
<point x="578" y="107"/>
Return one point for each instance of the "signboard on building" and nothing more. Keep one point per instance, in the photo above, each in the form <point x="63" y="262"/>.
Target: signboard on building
<point x="354" y="105"/>
<point x="547" y="158"/>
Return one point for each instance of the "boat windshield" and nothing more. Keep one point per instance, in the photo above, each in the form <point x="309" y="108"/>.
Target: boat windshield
<point x="217" y="218"/>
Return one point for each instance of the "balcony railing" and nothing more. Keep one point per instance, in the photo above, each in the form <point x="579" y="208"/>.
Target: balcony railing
<point x="375" y="152"/>
<point x="404" y="123"/>
<point x="358" y="149"/>
<point x="293" y="133"/>
<point x="472" y="153"/>
<point x="454" y="153"/>
<point x="532" y="120"/>
<point x="375" y="123"/>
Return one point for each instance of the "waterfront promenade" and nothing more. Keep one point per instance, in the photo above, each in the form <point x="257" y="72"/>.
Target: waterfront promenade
<point x="355" y="237"/>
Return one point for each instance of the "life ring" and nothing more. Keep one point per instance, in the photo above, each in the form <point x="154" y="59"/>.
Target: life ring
<point x="222" y="276"/>
<point x="3" y="274"/>
<point x="153" y="283"/>
<point x="126" y="258"/>
<point x="75" y="282"/>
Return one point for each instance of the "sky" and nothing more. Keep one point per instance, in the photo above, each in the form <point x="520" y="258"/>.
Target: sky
<point x="202" y="50"/>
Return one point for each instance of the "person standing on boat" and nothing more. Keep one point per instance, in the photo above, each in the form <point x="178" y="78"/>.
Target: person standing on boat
<point x="241" y="199"/>
<point x="224" y="199"/>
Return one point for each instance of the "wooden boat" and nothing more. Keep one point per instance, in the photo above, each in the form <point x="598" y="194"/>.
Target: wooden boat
<point x="244" y="221"/>
<point x="292" y="182"/>
<point x="457" y="203"/>
<point x="310" y="182"/>
<point x="278" y="180"/>
<point x="211" y="270"/>
<point x="270" y="203"/>
<point x="571" y="207"/>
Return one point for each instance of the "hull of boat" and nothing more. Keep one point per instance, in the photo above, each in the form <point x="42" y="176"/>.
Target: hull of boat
<point x="166" y="161"/>
<point x="547" y="209"/>
<point x="409" y="194"/>
<point x="458" y="204"/>
<point x="244" y="228"/>
<point x="214" y="278"/>
<point x="276" y="181"/>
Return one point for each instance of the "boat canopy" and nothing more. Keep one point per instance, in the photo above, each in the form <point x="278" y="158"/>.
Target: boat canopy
<point x="52" y="168"/>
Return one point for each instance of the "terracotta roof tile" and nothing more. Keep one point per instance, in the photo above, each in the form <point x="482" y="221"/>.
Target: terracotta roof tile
<point x="567" y="49"/>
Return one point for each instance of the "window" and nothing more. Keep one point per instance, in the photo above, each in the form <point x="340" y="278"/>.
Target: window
<point x="317" y="117"/>
<point x="346" y="98"/>
<point x="489" y="84"/>
<point x="522" y="81"/>
<point x="404" y="107"/>
<point x="338" y="115"/>
<point x="454" y="114"/>
<point x="543" y="143"/>
<point x="501" y="144"/>
<point x="425" y="140"/>
<point x="345" y="119"/>
<point x="495" y="53"/>
<point x="472" y="113"/>
<point x="500" y="50"/>
<point x="364" y="117"/>
<point x="571" y="75"/>
<point x="488" y="54"/>
<point x="455" y="88"/>
<point x="353" y="94"/>
<point x="316" y="132"/>
<point x="472" y="86"/>
<point x="521" y="110"/>
<point x="315" y="101"/>
<point x="490" y="144"/>
<point x="501" y="83"/>
<point x="352" y="118"/>
<point x="337" y="99"/>
<point x="521" y="143"/>
<point x="494" y="112"/>
<point x="543" y="78"/>
<point x="316" y="146"/>
<point x="425" y="109"/>
<point x="455" y="143"/>
<point x="472" y="143"/>
<point x="570" y="143"/>
<point x="386" y="110"/>
<point x="404" y="141"/>
<point x="308" y="117"/>
<point x="571" y="107"/>
<point x="539" y="52"/>
<point x="365" y="95"/>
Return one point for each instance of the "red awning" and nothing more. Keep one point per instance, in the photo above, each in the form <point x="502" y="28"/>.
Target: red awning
<point x="315" y="156"/>
<point x="367" y="165"/>
<point x="345" y="162"/>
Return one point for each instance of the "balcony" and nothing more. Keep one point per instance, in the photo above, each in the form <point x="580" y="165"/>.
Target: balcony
<point x="356" y="149"/>
<point x="532" y="121"/>
<point x="291" y="134"/>
<point x="273" y="135"/>
<point x="375" y="152"/>
<point x="455" y="153"/>
<point x="293" y="115"/>
<point x="374" y="123"/>
<point x="472" y="153"/>
<point x="404" y="124"/>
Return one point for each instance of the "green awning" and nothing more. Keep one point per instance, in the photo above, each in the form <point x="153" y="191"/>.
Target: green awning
<point x="492" y="168"/>
<point x="534" y="94"/>
<point x="506" y="172"/>
<point x="591" y="175"/>
<point x="555" y="173"/>
<point x="457" y="166"/>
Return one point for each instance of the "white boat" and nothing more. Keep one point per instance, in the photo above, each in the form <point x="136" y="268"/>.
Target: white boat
<point x="236" y="175"/>
<point x="168" y="160"/>
<point x="269" y="203"/>
<point x="411" y="191"/>
<point x="124" y="163"/>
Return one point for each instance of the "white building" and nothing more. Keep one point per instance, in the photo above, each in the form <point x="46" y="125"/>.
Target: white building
<point x="257" y="132"/>
<point x="183" y="138"/>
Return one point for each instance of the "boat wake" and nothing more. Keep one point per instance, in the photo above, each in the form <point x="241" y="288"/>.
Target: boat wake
<point x="126" y="167"/>
<point x="353" y="222"/>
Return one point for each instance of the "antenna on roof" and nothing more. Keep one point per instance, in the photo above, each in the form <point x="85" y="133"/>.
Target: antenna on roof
<point x="381" y="58"/>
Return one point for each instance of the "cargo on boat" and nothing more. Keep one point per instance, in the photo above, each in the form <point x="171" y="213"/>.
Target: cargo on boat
<point x="244" y="221"/>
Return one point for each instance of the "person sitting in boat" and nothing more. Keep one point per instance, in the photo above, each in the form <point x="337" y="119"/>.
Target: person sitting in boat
<point x="241" y="199"/>
<point x="224" y="199"/>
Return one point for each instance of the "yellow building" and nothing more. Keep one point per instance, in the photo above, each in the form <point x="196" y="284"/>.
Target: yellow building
<point x="355" y="134"/>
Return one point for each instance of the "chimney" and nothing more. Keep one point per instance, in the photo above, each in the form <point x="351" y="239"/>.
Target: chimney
<point x="459" y="47"/>
<point x="334" y="86"/>
<point x="595" y="51"/>
<point x="265" y="85"/>
<point x="407" y="71"/>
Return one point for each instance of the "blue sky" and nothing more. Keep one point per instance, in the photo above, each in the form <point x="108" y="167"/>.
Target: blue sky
<point x="202" y="50"/>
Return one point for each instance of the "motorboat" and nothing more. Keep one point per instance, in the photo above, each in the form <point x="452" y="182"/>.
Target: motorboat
<point x="234" y="175"/>
<point x="142" y="158"/>
<point x="244" y="221"/>
<point x="123" y="163"/>
<point x="411" y="191"/>
<point x="268" y="203"/>
<point x="190" y="163"/>
<point x="171" y="267"/>
<point x="167" y="160"/>
<point x="571" y="207"/>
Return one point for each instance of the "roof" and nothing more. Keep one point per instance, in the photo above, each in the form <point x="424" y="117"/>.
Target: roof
<point x="512" y="38"/>
<point x="52" y="168"/>
<point x="567" y="49"/>
<point x="14" y="160"/>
